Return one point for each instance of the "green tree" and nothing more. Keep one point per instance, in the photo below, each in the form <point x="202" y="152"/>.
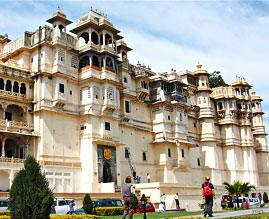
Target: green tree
<point x="238" y="188"/>
<point x="265" y="197"/>
<point x="135" y="205"/>
<point x="216" y="80"/>
<point x="87" y="204"/>
<point x="30" y="196"/>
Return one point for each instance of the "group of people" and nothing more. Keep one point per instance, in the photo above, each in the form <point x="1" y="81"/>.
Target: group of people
<point x="208" y="193"/>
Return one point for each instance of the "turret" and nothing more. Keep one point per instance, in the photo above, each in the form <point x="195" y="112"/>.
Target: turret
<point x="59" y="23"/>
<point x="257" y="123"/>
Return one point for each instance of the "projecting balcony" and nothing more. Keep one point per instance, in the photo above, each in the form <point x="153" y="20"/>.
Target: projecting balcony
<point x="109" y="106"/>
<point x="15" y="126"/>
<point x="142" y="93"/>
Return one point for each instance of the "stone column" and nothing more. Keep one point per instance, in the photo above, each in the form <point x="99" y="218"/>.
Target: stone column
<point x="90" y="36"/>
<point x="11" y="177"/>
<point x="4" y="138"/>
<point x="90" y="61"/>
<point x="104" y="38"/>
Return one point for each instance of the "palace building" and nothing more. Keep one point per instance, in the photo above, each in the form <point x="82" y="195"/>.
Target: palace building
<point x="74" y="102"/>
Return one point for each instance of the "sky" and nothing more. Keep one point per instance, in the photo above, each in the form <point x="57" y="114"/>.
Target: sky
<point x="228" y="36"/>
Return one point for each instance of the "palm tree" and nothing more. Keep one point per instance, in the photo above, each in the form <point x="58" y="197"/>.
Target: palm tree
<point x="238" y="188"/>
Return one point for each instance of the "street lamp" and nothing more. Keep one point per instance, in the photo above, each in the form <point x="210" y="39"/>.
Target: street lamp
<point x="144" y="202"/>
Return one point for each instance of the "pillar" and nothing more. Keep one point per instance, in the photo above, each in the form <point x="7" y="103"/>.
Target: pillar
<point x="90" y="37"/>
<point x="11" y="177"/>
<point x="4" y="138"/>
<point x="104" y="38"/>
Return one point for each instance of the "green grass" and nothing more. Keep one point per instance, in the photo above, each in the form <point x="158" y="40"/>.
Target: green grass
<point x="158" y="215"/>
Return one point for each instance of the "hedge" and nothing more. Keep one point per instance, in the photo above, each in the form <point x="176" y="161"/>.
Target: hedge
<point x="68" y="216"/>
<point x="107" y="211"/>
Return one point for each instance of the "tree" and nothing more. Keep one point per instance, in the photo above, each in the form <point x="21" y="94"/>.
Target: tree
<point x="265" y="197"/>
<point x="215" y="80"/>
<point x="30" y="196"/>
<point x="87" y="204"/>
<point x="238" y="188"/>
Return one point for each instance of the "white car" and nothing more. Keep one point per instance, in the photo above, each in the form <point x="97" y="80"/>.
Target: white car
<point x="3" y="204"/>
<point x="61" y="205"/>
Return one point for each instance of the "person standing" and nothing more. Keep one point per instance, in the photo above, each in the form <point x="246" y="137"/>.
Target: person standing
<point x="127" y="193"/>
<point x="177" y="201"/>
<point x="71" y="207"/>
<point x="148" y="177"/>
<point x="163" y="201"/>
<point x="208" y="194"/>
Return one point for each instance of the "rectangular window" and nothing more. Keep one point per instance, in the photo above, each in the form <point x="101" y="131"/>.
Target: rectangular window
<point x="107" y="126"/>
<point x="169" y="152"/>
<point x="182" y="153"/>
<point x="126" y="153"/>
<point x="8" y="116"/>
<point x="198" y="162"/>
<point x="144" y="156"/>
<point x="127" y="106"/>
<point x="125" y="80"/>
<point x="61" y="88"/>
<point x="70" y="92"/>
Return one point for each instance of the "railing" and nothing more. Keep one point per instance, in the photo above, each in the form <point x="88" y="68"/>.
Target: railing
<point x="43" y="163"/>
<point x="11" y="160"/>
<point x="16" y="125"/>
<point x="11" y="47"/>
<point x="10" y="93"/>
<point x="66" y="38"/>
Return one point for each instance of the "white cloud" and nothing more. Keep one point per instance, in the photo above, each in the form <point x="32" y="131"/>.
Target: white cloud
<point x="264" y="19"/>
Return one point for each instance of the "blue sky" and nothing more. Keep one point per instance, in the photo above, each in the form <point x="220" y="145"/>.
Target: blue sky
<point x="229" y="36"/>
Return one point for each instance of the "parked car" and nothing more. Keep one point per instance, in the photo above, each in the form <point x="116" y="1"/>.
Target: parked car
<point x="3" y="204"/>
<point x="149" y="208"/>
<point x="61" y="205"/>
<point x="102" y="203"/>
<point x="253" y="202"/>
<point x="108" y="203"/>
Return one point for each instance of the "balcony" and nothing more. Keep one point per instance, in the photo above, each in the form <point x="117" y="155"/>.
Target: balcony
<point x="13" y="95"/>
<point x="109" y="106"/>
<point x="142" y="93"/>
<point x="65" y="39"/>
<point x="15" y="126"/>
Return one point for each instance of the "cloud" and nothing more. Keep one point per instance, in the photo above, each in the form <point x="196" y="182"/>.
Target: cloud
<point x="264" y="19"/>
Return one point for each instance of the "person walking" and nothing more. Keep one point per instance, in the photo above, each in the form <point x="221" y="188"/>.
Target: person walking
<point x="148" y="177"/>
<point x="208" y="194"/>
<point x="71" y="207"/>
<point x="127" y="193"/>
<point x="163" y="201"/>
<point x="177" y="201"/>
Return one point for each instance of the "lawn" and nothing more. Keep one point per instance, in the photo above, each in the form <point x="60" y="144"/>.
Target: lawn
<point x="158" y="215"/>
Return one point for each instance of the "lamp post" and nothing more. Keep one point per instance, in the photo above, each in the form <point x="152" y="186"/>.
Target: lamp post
<point x="144" y="202"/>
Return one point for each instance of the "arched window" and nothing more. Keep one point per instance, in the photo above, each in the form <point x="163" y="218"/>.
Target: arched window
<point x="94" y="38"/>
<point x="83" y="39"/>
<point x="220" y="106"/>
<point x="108" y="40"/>
<point x="95" y="61"/>
<point x="23" y="89"/>
<point x="16" y="87"/>
<point x="84" y="62"/>
<point x="8" y="85"/>
<point x="109" y="62"/>
<point x="2" y="85"/>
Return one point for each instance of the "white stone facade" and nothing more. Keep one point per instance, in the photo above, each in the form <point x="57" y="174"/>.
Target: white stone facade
<point x="90" y="117"/>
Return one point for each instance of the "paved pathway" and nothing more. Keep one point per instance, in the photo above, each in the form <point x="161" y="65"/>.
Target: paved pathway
<point x="236" y="213"/>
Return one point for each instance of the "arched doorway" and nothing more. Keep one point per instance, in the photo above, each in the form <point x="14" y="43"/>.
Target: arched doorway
<point x="107" y="175"/>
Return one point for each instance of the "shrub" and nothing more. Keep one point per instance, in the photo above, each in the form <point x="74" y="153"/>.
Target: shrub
<point x="87" y="204"/>
<point x="30" y="196"/>
<point x="202" y="205"/>
<point x="135" y="205"/>
<point x="6" y="213"/>
<point x="265" y="197"/>
<point x="109" y="211"/>
<point x="85" y="216"/>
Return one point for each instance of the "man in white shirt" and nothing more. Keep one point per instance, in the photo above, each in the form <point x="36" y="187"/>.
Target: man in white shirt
<point x="163" y="201"/>
<point x="161" y="207"/>
<point x="177" y="201"/>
